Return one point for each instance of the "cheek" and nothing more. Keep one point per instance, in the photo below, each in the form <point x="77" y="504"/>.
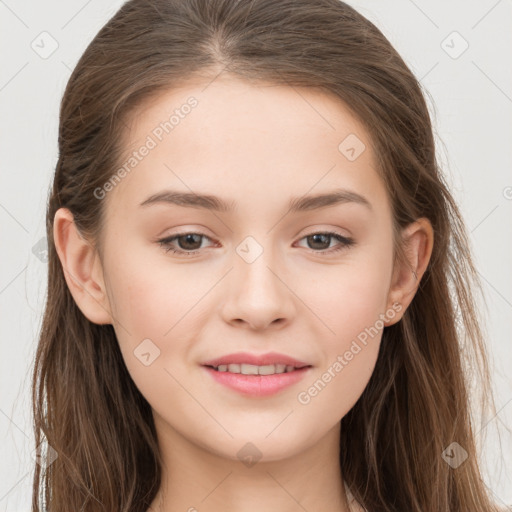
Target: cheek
<point x="348" y="298"/>
<point x="150" y="298"/>
<point x="149" y="313"/>
<point x="354" y="313"/>
<point x="352" y="309"/>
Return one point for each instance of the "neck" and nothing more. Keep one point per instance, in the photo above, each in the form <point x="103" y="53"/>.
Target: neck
<point x="195" y="479"/>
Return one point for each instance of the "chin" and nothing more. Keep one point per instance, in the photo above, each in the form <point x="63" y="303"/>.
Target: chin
<point x="253" y="447"/>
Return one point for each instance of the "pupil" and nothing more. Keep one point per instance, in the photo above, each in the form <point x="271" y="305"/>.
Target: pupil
<point x="189" y="239"/>
<point x="315" y="239"/>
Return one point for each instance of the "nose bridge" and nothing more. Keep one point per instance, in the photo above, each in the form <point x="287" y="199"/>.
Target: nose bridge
<point x="257" y="295"/>
<point x="255" y="259"/>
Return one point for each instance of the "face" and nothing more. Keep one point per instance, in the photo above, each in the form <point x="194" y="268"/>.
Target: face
<point x="269" y="271"/>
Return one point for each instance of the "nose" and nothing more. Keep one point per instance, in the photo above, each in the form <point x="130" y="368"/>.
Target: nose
<point x="258" y="294"/>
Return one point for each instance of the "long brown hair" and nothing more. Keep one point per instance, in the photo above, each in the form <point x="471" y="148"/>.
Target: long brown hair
<point x="417" y="401"/>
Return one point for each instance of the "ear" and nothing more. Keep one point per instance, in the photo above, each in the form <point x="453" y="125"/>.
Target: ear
<point x="82" y="269"/>
<point x="418" y="238"/>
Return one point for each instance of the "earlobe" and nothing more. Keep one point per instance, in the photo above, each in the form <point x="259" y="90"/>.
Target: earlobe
<point x="418" y="240"/>
<point x="82" y="268"/>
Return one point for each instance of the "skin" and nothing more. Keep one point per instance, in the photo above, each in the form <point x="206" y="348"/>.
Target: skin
<point x="257" y="146"/>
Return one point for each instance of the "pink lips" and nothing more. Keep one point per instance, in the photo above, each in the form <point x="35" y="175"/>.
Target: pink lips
<point x="257" y="385"/>
<point x="258" y="360"/>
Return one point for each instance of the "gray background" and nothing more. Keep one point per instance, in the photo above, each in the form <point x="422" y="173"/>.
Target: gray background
<point x="471" y="101"/>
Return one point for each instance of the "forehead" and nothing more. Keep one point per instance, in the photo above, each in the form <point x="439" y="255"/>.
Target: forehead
<point x="227" y="107"/>
<point x="255" y="142"/>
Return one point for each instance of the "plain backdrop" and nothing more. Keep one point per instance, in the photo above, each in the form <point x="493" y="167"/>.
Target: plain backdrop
<point x="461" y="52"/>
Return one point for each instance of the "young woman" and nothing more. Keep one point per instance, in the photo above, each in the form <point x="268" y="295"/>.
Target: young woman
<point x="259" y="284"/>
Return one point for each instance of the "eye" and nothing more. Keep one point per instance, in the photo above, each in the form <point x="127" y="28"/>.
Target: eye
<point x="324" y="238"/>
<point x="187" y="241"/>
<point x="190" y="243"/>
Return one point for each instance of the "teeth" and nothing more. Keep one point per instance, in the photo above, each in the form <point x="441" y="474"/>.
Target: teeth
<point x="250" y="369"/>
<point x="269" y="369"/>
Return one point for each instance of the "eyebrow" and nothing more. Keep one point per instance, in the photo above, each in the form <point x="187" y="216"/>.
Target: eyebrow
<point x="297" y="204"/>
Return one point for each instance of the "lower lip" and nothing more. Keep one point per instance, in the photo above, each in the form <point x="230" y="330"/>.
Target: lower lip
<point x="257" y="385"/>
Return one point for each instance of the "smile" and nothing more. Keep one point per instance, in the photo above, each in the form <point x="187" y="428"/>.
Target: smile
<point x="251" y="369"/>
<point x="256" y="381"/>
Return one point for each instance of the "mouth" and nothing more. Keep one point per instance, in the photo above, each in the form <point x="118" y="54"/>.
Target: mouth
<point x="251" y="369"/>
<point x="256" y="376"/>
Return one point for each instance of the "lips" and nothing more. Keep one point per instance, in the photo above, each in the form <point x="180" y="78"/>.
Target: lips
<point x="254" y="375"/>
<point x="270" y="358"/>
<point x="250" y="369"/>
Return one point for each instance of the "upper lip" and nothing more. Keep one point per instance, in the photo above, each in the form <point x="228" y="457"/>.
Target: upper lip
<point x="256" y="359"/>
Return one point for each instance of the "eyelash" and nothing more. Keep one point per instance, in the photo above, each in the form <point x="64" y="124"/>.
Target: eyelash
<point x="345" y="243"/>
